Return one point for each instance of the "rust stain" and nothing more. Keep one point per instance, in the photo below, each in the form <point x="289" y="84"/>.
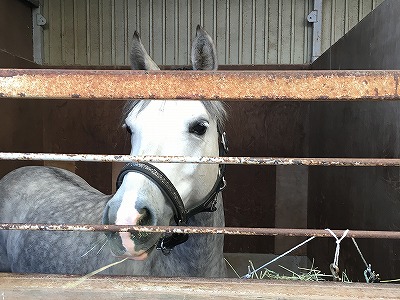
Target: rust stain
<point x="215" y="85"/>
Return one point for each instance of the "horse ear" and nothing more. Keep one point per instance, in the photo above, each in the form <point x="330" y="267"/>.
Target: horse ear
<point x="140" y="60"/>
<point x="204" y="55"/>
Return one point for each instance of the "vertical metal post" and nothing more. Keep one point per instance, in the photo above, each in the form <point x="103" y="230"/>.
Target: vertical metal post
<point x="315" y="17"/>
<point x="38" y="22"/>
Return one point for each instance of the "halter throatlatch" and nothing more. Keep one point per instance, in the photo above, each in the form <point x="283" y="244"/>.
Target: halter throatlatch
<point x="181" y="214"/>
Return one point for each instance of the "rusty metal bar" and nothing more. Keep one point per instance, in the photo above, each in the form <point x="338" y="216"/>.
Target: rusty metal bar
<point x="230" y="160"/>
<point x="200" y="230"/>
<point x="199" y="85"/>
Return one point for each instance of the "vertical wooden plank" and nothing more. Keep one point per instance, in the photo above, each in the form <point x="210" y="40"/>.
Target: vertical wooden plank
<point x="285" y="42"/>
<point x="339" y="15"/>
<point x="88" y="46"/>
<point x="68" y="32"/>
<point x="366" y="7"/>
<point x="190" y="25"/>
<point x="126" y="32"/>
<point x="194" y="15"/>
<point x="308" y="33"/>
<point x="279" y="33"/>
<point x="176" y="31"/>
<point x="326" y="25"/>
<point x="119" y="32"/>
<point x="94" y="33"/>
<point x="292" y="29"/>
<point x="306" y="48"/>
<point x="55" y="47"/>
<point x="228" y="31"/>
<point x="239" y="32"/>
<point x="273" y="20"/>
<point x="234" y="31"/>
<point x="266" y="31"/>
<point x="145" y="11"/>
<point x="222" y="28"/>
<point x="169" y="33"/>
<point x="260" y="34"/>
<point x="106" y="25"/>
<point x="208" y="17"/>
<point x="80" y="32"/>
<point x="158" y="29"/>
<point x="246" y="32"/>
<point x="298" y="25"/>
<point x="132" y="7"/>
<point x="253" y="30"/>
<point x="183" y="27"/>
<point x="138" y="14"/>
<point x="196" y="18"/>
<point x="46" y="35"/>
<point x="352" y="7"/>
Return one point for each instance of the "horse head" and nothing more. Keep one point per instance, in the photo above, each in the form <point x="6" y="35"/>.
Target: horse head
<point x="166" y="128"/>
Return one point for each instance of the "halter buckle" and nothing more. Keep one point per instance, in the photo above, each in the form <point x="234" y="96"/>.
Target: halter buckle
<point x="224" y="142"/>
<point x="223" y="185"/>
<point x="161" y="246"/>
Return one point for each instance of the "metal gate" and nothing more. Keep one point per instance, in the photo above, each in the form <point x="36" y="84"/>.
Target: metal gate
<point x="191" y="85"/>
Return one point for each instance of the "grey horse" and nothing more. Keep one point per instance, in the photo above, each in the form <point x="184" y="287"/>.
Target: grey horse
<point x="148" y="194"/>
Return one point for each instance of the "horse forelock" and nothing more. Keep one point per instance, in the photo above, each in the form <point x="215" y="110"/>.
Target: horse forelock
<point x="215" y="109"/>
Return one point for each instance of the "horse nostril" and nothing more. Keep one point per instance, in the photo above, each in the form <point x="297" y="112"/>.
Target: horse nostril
<point x="145" y="217"/>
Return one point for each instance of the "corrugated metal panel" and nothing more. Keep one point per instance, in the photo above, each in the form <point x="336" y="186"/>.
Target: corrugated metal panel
<point x="339" y="16"/>
<point x="98" y="32"/>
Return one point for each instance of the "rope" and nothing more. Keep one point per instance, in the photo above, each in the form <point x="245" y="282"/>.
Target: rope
<point x="369" y="274"/>
<point x="359" y="251"/>
<point x="334" y="267"/>
<point x="249" y="274"/>
<point x="337" y="251"/>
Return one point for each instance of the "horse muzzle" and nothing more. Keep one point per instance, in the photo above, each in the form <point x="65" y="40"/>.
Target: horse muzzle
<point x="133" y="244"/>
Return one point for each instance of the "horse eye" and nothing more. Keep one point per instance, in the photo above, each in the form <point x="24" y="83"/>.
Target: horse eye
<point x="199" y="128"/>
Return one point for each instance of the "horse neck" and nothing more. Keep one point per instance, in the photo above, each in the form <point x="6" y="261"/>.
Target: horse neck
<point x="202" y="254"/>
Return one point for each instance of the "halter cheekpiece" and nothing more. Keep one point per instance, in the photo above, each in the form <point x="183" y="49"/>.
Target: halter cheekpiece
<point x="181" y="214"/>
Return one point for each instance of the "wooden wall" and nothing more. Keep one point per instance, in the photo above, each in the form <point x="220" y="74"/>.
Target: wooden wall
<point x="21" y="121"/>
<point x="358" y="198"/>
<point x="16" y="28"/>
<point x="90" y="32"/>
<point x="260" y="129"/>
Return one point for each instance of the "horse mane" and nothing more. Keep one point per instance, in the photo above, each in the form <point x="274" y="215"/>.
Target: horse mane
<point x="216" y="109"/>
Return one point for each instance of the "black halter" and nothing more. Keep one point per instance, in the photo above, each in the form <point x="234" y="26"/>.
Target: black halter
<point x="181" y="214"/>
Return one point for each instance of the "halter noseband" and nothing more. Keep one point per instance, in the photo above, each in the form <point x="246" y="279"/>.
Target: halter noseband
<point x="181" y="214"/>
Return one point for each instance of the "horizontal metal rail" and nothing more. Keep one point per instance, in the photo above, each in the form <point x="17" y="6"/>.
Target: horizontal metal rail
<point x="201" y="230"/>
<point x="199" y="85"/>
<point x="230" y="160"/>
